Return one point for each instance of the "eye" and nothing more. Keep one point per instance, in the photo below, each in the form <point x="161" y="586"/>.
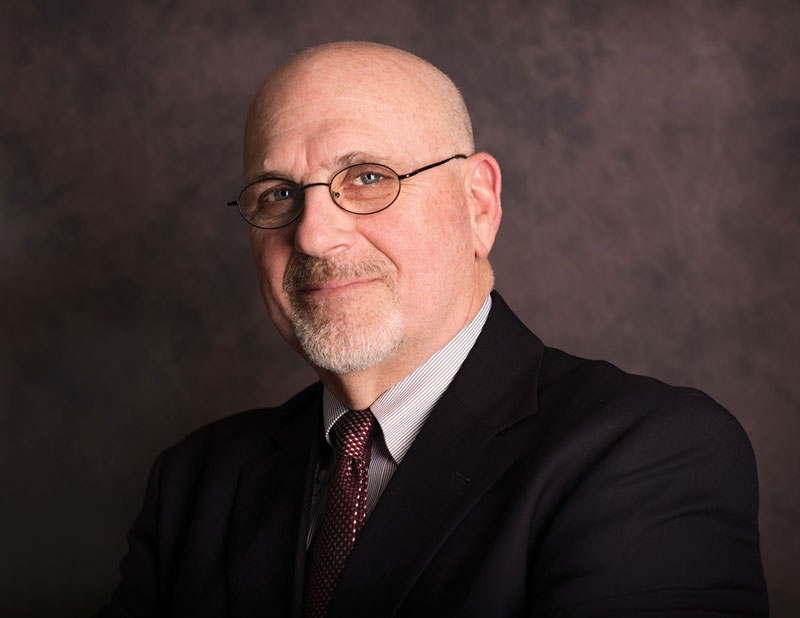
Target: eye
<point x="369" y="178"/>
<point x="359" y="188"/>
<point x="277" y="194"/>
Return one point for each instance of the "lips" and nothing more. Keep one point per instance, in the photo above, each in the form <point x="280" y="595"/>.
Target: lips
<point x="334" y="285"/>
<point x="308" y="275"/>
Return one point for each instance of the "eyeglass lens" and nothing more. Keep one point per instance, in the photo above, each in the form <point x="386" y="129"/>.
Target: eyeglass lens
<point x="365" y="188"/>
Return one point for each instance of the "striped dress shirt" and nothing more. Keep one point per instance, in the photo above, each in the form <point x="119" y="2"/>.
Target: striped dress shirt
<point x="400" y="411"/>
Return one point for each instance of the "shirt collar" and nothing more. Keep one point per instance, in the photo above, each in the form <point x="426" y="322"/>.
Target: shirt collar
<point x="402" y="410"/>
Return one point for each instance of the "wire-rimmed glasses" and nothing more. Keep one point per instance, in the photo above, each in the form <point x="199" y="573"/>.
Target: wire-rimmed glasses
<point x="361" y="189"/>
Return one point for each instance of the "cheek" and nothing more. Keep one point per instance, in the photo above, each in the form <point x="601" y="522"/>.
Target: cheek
<point x="433" y="247"/>
<point x="271" y="255"/>
<point x="445" y="235"/>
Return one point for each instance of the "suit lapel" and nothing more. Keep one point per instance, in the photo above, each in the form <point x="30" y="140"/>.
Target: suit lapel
<point x="267" y="537"/>
<point x="472" y="436"/>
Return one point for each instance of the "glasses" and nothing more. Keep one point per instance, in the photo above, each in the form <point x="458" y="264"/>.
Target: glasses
<point x="361" y="189"/>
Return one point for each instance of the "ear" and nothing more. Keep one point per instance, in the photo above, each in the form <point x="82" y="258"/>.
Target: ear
<point x="483" y="183"/>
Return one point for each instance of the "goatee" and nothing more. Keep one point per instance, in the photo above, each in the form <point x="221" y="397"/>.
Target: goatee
<point x="341" y="337"/>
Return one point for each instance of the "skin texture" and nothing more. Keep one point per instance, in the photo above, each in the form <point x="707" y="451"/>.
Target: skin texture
<point x="329" y="107"/>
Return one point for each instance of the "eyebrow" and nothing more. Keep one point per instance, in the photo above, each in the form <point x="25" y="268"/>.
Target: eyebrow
<point x="350" y="158"/>
<point x="359" y="156"/>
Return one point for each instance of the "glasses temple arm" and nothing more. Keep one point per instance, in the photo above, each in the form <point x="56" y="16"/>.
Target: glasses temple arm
<point x="427" y="167"/>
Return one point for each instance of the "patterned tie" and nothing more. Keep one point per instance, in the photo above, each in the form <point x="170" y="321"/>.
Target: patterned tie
<point x="344" y="513"/>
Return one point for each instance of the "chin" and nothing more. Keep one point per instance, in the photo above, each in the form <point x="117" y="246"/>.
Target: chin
<point x="346" y="342"/>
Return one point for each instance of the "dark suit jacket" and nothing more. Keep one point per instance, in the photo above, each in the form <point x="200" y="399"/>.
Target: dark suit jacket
<point x="541" y="485"/>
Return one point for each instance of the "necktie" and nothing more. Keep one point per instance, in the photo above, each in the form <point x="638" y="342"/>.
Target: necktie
<point x="345" y="510"/>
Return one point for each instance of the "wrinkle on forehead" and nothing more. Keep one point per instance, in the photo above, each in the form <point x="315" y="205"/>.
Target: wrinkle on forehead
<point x="327" y="142"/>
<point x="350" y="81"/>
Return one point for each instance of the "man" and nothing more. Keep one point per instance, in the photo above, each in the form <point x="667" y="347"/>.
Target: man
<point x="448" y="464"/>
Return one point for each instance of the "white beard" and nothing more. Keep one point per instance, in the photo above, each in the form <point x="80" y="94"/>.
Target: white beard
<point x="349" y="344"/>
<point x="333" y="337"/>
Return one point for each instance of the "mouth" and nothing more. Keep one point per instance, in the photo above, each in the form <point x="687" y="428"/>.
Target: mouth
<point x="323" y="288"/>
<point x="310" y="279"/>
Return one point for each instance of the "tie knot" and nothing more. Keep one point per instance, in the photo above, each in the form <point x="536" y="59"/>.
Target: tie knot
<point x="353" y="433"/>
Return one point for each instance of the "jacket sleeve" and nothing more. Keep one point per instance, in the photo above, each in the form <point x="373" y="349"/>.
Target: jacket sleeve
<point x="664" y="523"/>
<point x="138" y="591"/>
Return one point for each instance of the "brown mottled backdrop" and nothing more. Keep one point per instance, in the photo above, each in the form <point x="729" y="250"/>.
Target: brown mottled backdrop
<point x="651" y="153"/>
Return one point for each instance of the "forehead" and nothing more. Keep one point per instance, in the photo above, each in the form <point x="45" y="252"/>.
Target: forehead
<point x="311" y="115"/>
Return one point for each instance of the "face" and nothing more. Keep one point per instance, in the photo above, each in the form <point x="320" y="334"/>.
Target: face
<point x="348" y="291"/>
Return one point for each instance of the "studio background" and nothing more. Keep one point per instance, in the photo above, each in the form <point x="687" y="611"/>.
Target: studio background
<point x="651" y="160"/>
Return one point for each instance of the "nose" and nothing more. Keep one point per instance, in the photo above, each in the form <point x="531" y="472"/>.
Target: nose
<point x="323" y="229"/>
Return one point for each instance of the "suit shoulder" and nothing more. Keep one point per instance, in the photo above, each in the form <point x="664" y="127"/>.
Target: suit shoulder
<point x="600" y="378"/>
<point x="577" y="390"/>
<point x="244" y="432"/>
<point x="636" y="468"/>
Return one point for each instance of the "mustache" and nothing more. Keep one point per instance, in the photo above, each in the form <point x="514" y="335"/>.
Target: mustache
<point x="307" y="270"/>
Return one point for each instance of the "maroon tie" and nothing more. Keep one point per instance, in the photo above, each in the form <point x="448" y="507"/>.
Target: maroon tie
<point x="344" y="512"/>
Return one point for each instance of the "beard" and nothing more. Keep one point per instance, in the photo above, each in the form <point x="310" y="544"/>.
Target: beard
<point x="344" y="337"/>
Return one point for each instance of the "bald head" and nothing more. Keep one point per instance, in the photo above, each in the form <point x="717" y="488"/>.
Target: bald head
<point x="348" y="73"/>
